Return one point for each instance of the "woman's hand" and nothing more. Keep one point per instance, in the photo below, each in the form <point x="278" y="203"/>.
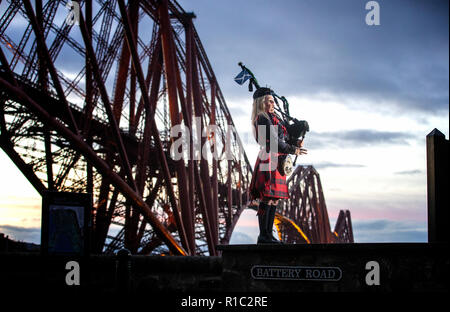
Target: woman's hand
<point x="301" y="151"/>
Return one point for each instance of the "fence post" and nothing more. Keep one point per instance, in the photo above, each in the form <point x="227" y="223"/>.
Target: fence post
<point x="123" y="270"/>
<point x="437" y="187"/>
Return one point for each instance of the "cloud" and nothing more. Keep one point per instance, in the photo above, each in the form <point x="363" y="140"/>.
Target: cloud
<point x="370" y="137"/>
<point x="237" y="111"/>
<point x="241" y="238"/>
<point x="358" y="138"/>
<point x="409" y="172"/>
<point x="18" y="233"/>
<point x="323" y="165"/>
<point x="384" y="230"/>
<point x="309" y="47"/>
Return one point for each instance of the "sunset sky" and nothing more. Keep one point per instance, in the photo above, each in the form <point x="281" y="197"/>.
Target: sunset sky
<point x="370" y="94"/>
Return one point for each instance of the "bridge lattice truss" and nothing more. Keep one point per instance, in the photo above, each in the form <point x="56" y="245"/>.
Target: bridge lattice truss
<point x="305" y="212"/>
<point x="88" y="107"/>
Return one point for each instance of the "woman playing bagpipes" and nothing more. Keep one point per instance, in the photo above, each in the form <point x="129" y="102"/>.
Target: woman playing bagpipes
<point x="268" y="183"/>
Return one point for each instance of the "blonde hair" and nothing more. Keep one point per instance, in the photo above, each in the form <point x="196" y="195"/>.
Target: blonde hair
<point x="258" y="109"/>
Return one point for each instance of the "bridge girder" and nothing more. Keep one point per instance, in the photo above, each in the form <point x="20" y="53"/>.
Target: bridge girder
<point x="104" y="127"/>
<point x="101" y="123"/>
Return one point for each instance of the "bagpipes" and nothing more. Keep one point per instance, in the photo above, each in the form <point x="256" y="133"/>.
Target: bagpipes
<point x="296" y="128"/>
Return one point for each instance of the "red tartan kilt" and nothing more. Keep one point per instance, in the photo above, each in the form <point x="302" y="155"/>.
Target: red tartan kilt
<point x="267" y="183"/>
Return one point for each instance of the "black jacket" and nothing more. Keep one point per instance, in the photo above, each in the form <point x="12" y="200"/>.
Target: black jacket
<point x="271" y="134"/>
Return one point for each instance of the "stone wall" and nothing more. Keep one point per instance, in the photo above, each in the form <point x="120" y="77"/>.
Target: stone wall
<point x="241" y="268"/>
<point x="336" y="267"/>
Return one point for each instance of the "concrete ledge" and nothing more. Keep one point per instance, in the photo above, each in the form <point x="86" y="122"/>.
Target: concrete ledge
<point x="99" y="273"/>
<point x="402" y="267"/>
<point x="241" y="268"/>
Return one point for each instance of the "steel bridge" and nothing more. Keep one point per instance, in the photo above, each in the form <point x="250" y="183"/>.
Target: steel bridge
<point x="89" y="94"/>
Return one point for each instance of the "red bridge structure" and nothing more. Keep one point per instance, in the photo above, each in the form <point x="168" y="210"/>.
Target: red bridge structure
<point x="89" y="93"/>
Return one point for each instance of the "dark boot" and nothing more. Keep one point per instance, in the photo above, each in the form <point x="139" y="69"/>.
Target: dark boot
<point x="272" y="209"/>
<point x="263" y="220"/>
